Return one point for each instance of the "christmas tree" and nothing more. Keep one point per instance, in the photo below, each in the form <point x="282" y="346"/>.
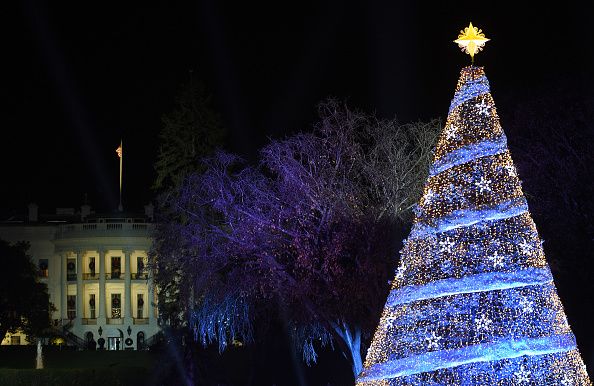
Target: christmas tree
<point x="473" y="301"/>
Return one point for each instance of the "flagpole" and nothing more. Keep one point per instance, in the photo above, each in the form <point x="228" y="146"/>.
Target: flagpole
<point x="121" y="154"/>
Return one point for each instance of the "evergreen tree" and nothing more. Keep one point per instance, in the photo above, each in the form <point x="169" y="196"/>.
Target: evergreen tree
<point x="473" y="301"/>
<point x="191" y="131"/>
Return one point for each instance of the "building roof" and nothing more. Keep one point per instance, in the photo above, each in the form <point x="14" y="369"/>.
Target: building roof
<point x="72" y="215"/>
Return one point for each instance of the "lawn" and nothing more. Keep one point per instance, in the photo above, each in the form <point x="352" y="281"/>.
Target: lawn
<point x="22" y="357"/>
<point x="69" y="367"/>
<point x="256" y="365"/>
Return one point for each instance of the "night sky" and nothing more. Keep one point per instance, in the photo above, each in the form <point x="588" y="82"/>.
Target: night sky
<point x="87" y="74"/>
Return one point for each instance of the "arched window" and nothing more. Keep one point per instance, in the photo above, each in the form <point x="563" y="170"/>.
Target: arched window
<point x="140" y="340"/>
<point x="91" y="344"/>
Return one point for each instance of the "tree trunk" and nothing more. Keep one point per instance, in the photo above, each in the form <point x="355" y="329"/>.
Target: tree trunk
<point x="352" y="340"/>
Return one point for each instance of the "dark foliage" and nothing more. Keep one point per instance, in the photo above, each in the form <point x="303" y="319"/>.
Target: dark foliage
<point x="24" y="301"/>
<point x="189" y="132"/>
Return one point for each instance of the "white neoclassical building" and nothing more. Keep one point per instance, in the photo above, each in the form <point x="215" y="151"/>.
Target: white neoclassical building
<point x="95" y="267"/>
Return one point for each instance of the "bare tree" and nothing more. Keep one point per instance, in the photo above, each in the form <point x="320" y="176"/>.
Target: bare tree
<point x="307" y="234"/>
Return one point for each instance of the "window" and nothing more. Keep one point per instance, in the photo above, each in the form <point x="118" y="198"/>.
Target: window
<point x="140" y="268"/>
<point x="71" y="269"/>
<point x="71" y="306"/>
<point x="92" y="305"/>
<point x="43" y="268"/>
<point x="116" y="267"/>
<point x="92" y="267"/>
<point x="15" y="340"/>
<point x="140" y="340"/>
<point x="116" y="306"/>
<point x="140" y="305"/>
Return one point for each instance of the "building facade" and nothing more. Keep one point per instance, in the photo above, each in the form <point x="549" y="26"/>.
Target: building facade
<point x="95" y="268"/>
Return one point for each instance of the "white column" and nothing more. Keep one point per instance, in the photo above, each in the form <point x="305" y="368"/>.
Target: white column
<point x="128" y="287"/>
<point x="101" y="318"/>
<point x="64" y="286"/>
<point x="79" y="286"/>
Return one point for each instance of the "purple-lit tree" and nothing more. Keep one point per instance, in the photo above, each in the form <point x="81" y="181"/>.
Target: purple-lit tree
<point x="307" y="234"/>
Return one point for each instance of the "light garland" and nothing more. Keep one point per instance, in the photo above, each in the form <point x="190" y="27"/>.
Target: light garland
<point x="473" y="301"/>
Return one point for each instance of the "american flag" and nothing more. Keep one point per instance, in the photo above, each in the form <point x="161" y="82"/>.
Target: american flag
<point x="119" y="151"/>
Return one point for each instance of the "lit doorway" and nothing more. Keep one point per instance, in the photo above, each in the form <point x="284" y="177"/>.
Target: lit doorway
<point x="114" y="343"/>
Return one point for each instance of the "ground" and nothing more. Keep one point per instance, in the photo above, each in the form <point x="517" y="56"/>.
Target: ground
<point x="271" y="364"/>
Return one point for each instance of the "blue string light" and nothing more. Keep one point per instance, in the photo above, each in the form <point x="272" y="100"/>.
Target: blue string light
<point x="473" y="301"/>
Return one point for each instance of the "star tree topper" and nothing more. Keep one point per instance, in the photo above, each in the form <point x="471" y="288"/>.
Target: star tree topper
<point x="471" y="40"/>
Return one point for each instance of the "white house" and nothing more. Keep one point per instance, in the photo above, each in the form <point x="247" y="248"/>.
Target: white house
<point x="95" y="267"/>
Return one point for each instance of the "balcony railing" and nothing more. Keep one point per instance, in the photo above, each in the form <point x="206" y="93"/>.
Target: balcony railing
<point x="71" y="276"/>
<point x="89" y="321"/>
<point x="139" y="275"/>
<point x="104" y="229"/>
<point x="141" y="321"/>
<point x="114" y="276"/>
<point x="91" y="276"/>
<point x="115" y="321"/>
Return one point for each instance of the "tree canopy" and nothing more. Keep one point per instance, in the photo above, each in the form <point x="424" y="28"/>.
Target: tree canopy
<point x="24" y="301"/>
<point x="307" y="235"/>
<point x="190" y="131"/>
